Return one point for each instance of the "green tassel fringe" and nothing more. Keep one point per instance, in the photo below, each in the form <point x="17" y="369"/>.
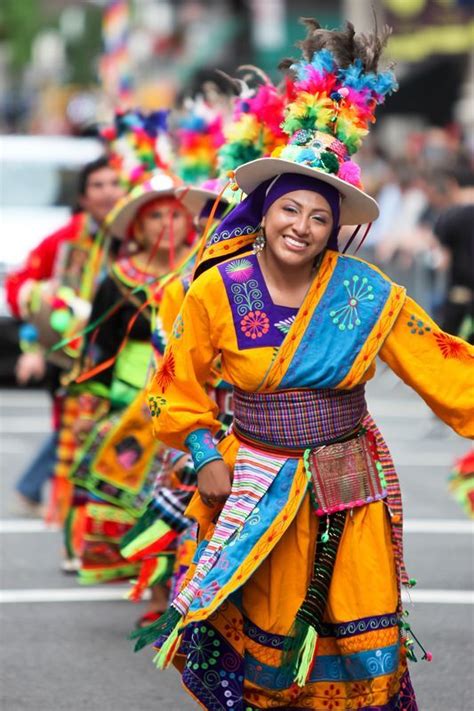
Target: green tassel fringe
<point x="164" y="626"/>
<point x="298" y="652"/>
<point x="144" y="522"/>
<point x="163" y="658"/>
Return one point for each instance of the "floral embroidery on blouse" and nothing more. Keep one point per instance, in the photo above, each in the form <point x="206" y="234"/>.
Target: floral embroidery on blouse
<point x="239" y="270"/>
<point x="178" y="327"/>
<point x="165" y="375"/>
<point x="155" y="404"/>
<point x="285" y="324"/>
<point x="347" y="316"/>
<point x="451" y="347"/>
<point x="255" y="324"/>
<point x="418" y="326"/>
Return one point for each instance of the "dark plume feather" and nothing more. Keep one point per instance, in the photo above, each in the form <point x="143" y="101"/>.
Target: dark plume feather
<point x="370" y="47"/>
<point x="236" y="84"/>
<point x="344" y="44"/>
<point x="286" y="63"/>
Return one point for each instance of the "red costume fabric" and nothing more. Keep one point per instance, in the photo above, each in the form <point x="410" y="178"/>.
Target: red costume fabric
<point x="39" y="264"/>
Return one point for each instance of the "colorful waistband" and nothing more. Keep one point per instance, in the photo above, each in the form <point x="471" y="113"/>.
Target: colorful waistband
<point x="290" y="421"/>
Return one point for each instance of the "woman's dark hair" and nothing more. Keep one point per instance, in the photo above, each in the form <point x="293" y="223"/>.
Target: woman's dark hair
<point x="87" y="170"/>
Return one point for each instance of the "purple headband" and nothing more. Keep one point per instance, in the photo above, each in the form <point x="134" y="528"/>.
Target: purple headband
<point x="246" y="217"/>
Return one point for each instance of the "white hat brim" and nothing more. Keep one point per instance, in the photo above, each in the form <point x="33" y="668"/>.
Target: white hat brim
<point x="194" y="199"/>
<point x="121" y="217"/>
<point x="357" y="208"/>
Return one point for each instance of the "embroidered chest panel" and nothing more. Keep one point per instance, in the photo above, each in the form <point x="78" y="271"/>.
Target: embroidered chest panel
<point x="258" y="322"/>
<point x="342" y="321"/>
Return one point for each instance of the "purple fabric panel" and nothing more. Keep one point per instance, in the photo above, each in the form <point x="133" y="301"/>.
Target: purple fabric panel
<point x="258" y="321"/>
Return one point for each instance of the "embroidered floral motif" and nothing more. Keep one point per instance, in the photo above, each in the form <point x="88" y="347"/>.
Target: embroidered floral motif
<point x="239" y="270"/>
<point x="234" y="629"/>
<point x="418" y="326"/>
<point x="178" y="327"/>
<point x="247" y="296"/>
<point x="155" y="404"/>
<point x="255" y="324"/>
<point x="165" y="375"/>
<point x="332" y="697"/>
<point x="347" y="316"/>
<point x="285" y="324"/>
<point x="451" y="347"/>
<point x="203" y="650"/>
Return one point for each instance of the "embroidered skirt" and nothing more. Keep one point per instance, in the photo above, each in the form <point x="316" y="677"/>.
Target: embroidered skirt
<point x="242" y="612"/>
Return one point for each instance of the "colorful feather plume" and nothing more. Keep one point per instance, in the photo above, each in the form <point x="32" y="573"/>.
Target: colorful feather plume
<point x="255" y="130"/>
<point x="336" y="89"/>
<point x="199" y="135"/>
<point x="138" y="144"/>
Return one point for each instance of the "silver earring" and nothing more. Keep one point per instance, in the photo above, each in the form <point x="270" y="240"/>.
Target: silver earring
<point x="259" y="242"/>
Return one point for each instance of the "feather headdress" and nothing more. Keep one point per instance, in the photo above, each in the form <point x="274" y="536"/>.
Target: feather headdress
<point x="138" y="145"/>
<point x="199" y="136"/>
<point x="255" y="130"/>
<point x="337" y="87"/>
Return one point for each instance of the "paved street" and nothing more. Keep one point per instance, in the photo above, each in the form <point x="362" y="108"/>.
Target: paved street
<point x="64" y="647"/>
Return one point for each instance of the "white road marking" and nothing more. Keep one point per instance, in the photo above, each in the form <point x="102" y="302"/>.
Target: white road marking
<point x="411" y="525"/>
<point x="94" y="594"/>
<point x="439" y="597"/>
<point x="24" y="401"/>
<point x="438" y="525"/>
<point x="111" y="594"/>
<point x="24" y="525"/>
<point x="25" y="425"/>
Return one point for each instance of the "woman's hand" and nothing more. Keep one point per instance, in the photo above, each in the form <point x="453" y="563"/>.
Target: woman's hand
<point x="214" y="483"/>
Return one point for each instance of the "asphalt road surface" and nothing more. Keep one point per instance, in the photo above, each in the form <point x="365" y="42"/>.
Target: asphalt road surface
<point x="64" y="648"/>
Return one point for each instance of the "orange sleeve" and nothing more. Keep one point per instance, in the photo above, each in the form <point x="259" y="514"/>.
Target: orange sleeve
<point x="440" y="367"/>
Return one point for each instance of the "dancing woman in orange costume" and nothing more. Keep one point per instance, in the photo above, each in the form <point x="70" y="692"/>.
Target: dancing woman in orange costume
<point x="294" y="598"/>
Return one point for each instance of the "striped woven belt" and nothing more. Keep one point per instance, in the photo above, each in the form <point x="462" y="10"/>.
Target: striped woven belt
<point x="294" y="420"/>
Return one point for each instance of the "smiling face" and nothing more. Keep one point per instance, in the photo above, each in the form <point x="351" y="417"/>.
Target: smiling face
<point x="297" y="228"/>
<point x="162" y="219"/>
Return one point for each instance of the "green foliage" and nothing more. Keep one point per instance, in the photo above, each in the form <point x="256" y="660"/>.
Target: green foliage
<point x="20" y="22"/>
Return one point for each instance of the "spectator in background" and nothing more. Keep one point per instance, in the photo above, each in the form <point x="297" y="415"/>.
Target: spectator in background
<point x="455" y="231"/>
<point x="98" y="191"/>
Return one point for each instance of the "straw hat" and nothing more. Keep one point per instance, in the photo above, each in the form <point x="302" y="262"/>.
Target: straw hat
<point x="121" y="217"/>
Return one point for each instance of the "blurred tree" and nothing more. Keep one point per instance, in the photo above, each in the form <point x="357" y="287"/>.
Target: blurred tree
<point x="83" y="53"/>
<point x="20" y="22"/>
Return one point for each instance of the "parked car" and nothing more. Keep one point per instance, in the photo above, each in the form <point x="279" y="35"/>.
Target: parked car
<point x="38" y="187"/>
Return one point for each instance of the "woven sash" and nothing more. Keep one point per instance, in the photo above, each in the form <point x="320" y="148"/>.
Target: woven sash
<point x="297" y="419"/>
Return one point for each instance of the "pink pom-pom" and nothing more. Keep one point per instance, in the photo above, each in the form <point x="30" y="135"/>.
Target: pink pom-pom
<point x="428" y="656"/>
<point x="344" y="91"/>
<point x="350" y="172"/>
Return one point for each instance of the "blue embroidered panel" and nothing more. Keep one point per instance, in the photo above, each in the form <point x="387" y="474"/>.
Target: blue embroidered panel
<point x="330" y="667"/>
<point x="340" y="630"/>
<point x="349" y="309"/>
<point x="239" y="547"/>
<point x="202" y="448"/>
<point x="258" y="322"/>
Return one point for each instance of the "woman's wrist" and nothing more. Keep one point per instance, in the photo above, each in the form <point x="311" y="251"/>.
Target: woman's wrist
<point x="202" y="448"/>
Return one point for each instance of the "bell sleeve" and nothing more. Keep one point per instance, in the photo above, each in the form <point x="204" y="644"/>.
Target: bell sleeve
<point x="184" y="416"/>
<point x="438" y="366"/>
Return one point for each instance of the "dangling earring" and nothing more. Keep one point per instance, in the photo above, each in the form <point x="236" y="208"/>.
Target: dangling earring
<point x="259" y="242"/>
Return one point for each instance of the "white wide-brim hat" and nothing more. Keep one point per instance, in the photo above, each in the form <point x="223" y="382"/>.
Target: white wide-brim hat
<point x="194" y="199"/>
<point x="120" y="218"/>
<point x="356" y="207"/>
